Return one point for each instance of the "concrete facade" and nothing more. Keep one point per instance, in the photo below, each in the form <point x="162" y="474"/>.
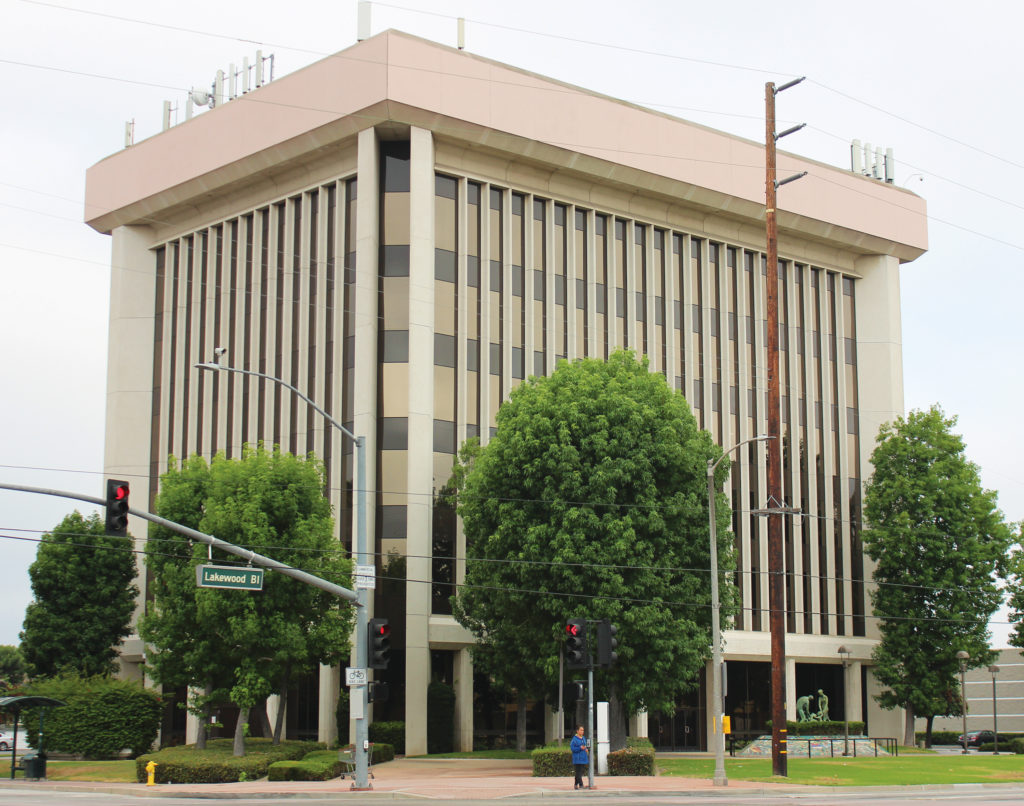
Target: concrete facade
<point x="1002" y="697"/>
<point x="405" y="232"/>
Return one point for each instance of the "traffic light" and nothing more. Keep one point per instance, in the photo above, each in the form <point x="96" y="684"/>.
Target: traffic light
<point x="379" y="692"/>
<point x="117" y="508"/>
<point x="378" y="643"/>
<point x="576" y="654"/>
<point x="606" y="643"/>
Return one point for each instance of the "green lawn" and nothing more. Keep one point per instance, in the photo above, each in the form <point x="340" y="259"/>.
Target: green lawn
<point x="120" y="771"/>
<point x="918" y="769"/>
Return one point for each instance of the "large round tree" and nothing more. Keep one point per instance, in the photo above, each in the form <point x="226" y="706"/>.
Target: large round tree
<point x="938" y="540"/>
<point x="83" y="598"/>
<point x="590" y="502"/>
<point x="245" y="645"/>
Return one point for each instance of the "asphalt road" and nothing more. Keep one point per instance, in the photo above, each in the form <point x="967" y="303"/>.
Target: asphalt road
<point x="977" y="795"/>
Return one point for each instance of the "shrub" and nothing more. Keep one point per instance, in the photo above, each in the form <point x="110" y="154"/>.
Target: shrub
<point x="341" y="715"/>
<point x="1008" y="742"/>
<point x="216" y="764"/>
<point x="103" y="716"/>
<point x="939" y="736"/>
<point x="552" y="761"/>
<point x="440" y="718"/>
<point x="1016" y="745"/>
<point x="392" y="733"/>
<point x="320" y="765"/>
<point x="634" y="760"/>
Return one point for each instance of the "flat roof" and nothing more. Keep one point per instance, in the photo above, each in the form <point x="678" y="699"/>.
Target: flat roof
<point x="397" y="78"/>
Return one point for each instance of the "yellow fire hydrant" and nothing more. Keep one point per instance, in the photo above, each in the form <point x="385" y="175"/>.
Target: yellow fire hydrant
<point x="151" y="772"/>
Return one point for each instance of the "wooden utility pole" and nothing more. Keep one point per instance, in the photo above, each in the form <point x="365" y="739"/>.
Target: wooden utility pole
<point x="776" y="556"/>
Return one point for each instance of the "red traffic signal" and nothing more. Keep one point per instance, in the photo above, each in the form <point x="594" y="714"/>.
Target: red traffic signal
<point x="378" y="633"/>
<point x="576" y="655"/>
<point x="117" y="508"/>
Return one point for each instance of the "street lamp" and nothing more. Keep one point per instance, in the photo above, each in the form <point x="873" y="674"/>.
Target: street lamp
<point x="359" y="702"/>
<point x="962" y="656"/>
<point x="994" y="670"/>
<point x="718" y="737"/>
<point x="846" y="709"/>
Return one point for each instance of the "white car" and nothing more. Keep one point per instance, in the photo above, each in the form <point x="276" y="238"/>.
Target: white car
<point x="6" y="740"/>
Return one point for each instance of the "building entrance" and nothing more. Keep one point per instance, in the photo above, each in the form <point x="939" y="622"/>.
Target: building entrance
<point x="677" y="732"/>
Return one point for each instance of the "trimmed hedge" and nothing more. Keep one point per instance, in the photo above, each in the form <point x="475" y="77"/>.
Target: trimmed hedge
<point x="636" y="759"/>
<point x="103" y="716"/>
<point x="392" y="733"/>
<point x="216" y="764"/>
<point x="552" y="761"/>
<point x="555" y="761"/>
<point x="320" y="765"/>
<point x="939" y="736"/>
<point x="1008" y="742"/>
<point x="440" y="718"/>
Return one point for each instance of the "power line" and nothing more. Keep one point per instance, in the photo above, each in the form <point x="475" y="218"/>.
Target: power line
<point x="531" y="591"/>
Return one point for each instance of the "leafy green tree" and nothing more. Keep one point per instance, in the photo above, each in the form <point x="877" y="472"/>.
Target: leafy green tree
<point x="84" y="597"/>
<point x="240" y="645"/>
<point x="591" y="502"/>
<point x="937" y="540"/>
<point x="12" y="667"/>
<point x="1013" y="576"/>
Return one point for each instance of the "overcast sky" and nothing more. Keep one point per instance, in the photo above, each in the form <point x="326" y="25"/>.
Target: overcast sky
<point x="937" y="82"/>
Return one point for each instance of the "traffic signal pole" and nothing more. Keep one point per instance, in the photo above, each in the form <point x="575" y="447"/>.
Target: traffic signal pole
<point x="590" y="726"/>
<point x="358" y="598"/>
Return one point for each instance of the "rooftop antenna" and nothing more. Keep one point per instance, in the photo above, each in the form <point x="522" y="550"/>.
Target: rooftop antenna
<point x="363" y="25"/>
<point x="168" y="109"/>
<point x="129" y="133"/>
<point x="462" y="33"/>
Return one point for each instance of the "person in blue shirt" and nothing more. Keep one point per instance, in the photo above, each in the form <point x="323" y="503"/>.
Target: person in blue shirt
<point x="580" y="755"/>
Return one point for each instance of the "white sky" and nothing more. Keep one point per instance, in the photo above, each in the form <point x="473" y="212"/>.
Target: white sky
<point x="935" y="81"/>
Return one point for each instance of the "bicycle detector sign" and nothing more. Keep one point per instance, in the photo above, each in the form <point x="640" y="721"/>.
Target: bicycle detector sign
<point x="234" y="578"/>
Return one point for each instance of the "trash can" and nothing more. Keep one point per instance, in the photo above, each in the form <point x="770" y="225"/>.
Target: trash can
<point x="34" y="765"/>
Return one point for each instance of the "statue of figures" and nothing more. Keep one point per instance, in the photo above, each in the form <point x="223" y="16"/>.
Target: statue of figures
<point x="822" y="706"/>
<point x="803" y="708"/>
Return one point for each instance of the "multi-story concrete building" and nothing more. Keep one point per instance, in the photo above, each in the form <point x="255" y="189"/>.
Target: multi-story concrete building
<point x="406" y="231"/>
<point x="994" y="698"/>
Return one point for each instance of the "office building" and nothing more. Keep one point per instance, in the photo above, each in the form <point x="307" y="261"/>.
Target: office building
<point x="405" y="231"/>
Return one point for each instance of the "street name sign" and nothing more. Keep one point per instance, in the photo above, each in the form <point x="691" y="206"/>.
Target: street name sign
<point x="366" y="577"/>
<point x="227" y="576"/>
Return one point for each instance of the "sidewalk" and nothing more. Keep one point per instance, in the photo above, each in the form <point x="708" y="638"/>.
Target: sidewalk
<point x="429" y="779"/>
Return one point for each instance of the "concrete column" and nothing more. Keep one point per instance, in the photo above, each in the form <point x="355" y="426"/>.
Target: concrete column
<point x="421" y="441"/>
<point x="854" y="692"/>
<point x="638" y="724"/>
<point x="791" y="689"/>
<point x="364" y="397"/>
<point x="879" y="364"/>
<point x="463" y="701"/>
<point x="126" y="452"/>
<point x="327" y="721"/>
